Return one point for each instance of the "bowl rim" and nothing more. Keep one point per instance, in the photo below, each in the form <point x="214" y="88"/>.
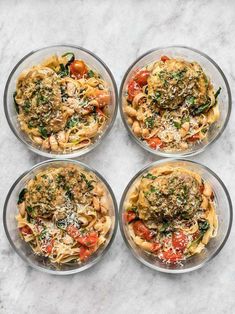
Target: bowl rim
<point x="182" y="154"/>
<point x="142" y="260"/>
<point x="112" y="237"/>
<point x="77" y="153"/>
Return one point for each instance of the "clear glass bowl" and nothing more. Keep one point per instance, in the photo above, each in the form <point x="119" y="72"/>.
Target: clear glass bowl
<point x="35" y="57"/>
<point x="223" y="209"/>
<point x="24" y="250"/>
<point x="212" y="70"/>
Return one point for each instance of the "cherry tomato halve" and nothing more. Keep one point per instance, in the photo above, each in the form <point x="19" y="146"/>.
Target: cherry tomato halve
<point x="26" y="230"/>
<point x="102" y="97"/>
<point x="142" y="231"/>
<point x="154" y="142"/>
<point x="164" y="58"/>
<point x="129" y="216"/>
<point x="179" y="240"/>
<point x="170" y="256"/>
<point x="78" y="68"/>
<point x="141" y="77"/>
<point x="84" y="253"/>
<point x="133" y="89"/>
<point x="193" y="138"/>
<point x="155" y="246"/>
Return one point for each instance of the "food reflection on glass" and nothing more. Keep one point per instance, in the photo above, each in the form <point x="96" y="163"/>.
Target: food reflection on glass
<point x="171" y="213"/>
<point x="62" y="103"/>
<point x="171" y="104"/>
<point x="64" y="214"/>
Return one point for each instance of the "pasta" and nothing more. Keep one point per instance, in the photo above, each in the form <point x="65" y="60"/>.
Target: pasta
<point x="64" y="214"/>
<point x="170" y="104"/>
<point x="62" y="104"/>
<point x="170" y="213"/>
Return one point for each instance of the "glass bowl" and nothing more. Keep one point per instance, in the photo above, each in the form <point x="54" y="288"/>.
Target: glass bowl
<point x="38" y="56"/>
<point x="212" y="70"/>
<point x="24" y="250"/>
<point x="223" y="209"/>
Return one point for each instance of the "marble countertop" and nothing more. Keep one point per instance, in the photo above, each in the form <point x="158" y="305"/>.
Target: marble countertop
<point x="118" y="32"/>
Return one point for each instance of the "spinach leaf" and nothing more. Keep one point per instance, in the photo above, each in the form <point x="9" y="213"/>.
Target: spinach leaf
<point x="149" y="176"/>
<point x="63" y="70"/>
<point x="72" y="122"/>
<point x="201" y="109"/>
<point x="70" y="58"/>
<point x="217" y="93"/>
<point x="22" y="196"/>
<point x="177" y="124"/>
<point x="43" y="131"/>
<point x="203" y="226"/>
<point x="90" y="73"/>
<point x="16" y="105"/>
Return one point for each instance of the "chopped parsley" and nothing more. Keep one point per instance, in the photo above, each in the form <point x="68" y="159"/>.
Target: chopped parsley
<point x="72" y="123"/>
<point x="149" y="122"/>
<point x="150" y="176"/>
<point x="177" y="124"/>
<point x="43" y="131"/>
<point x="90" y="73"/>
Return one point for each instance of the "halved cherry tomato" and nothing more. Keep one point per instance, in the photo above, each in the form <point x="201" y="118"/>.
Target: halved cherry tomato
<point x="141" y="77"/>
<point x="78" y="68"/>
<point x="133" y="89"/>
<point x="193" y="138"/>
<point x="179" y="240"/>
<point x="154" y="142"/>
<point x="84" y="253"/>
<point x="89" y="240"/>
<point x="142" y="231"/>
<point x="102" y="97"/>
<point x="129" y="216"/>
<point x="155" y="246"/>
<point x="26" y="230"/>
<point x="164" y="58"/>
<point x="170" y="256"/>
<point x="49" y="246"/>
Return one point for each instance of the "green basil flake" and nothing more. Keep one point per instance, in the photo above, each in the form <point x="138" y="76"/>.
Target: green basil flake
<point x="190" y="100"/>
<point x="149" y="176"/>
<point x="177" y="124"/>
<point x="90" y="73"/>
<point x="203" y="226"/>
<point x="42" y="235"/>
<point x="26" y="106"/>
<point x="149" y="122"/>
<point x="72" y="122"/>
<point x="29" y="209"/>
<point x="218" y="92"/>
<point x="22" y="196"/>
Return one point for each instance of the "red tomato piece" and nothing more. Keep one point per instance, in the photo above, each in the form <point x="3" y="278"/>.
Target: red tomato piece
<point x="49" y="246"/>
<point x="164" y="58"/>
<point x="78" y="68"/>
<point x="26" y="230"/>
<point x="133" y="89"/>
<point x="89" y="240"/>
<point x="142" y="231"/>
<point x="129" y="216"/>
<point x="179" y="240"/>
<point x="154" y="142"/>
<point x="170" y="256"/>
<point x="102" y="97"/>
<point x="73" y="232"/>
<point x="193" y="138"/>
<point x="99" y="112"/>
<point x="84" y="253"/>
<point x="155" y="246"/>
<point x="141" y="77"/>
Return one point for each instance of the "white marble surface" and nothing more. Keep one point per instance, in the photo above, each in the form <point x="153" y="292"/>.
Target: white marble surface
<point x="118" y="32"/>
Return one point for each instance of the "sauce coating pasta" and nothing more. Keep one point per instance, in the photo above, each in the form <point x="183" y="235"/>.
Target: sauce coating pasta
<point x="62" y="104"/>
<point x="170" y="213"/>
<point x="64" y="214"/>
<point x="170" y="104"/>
